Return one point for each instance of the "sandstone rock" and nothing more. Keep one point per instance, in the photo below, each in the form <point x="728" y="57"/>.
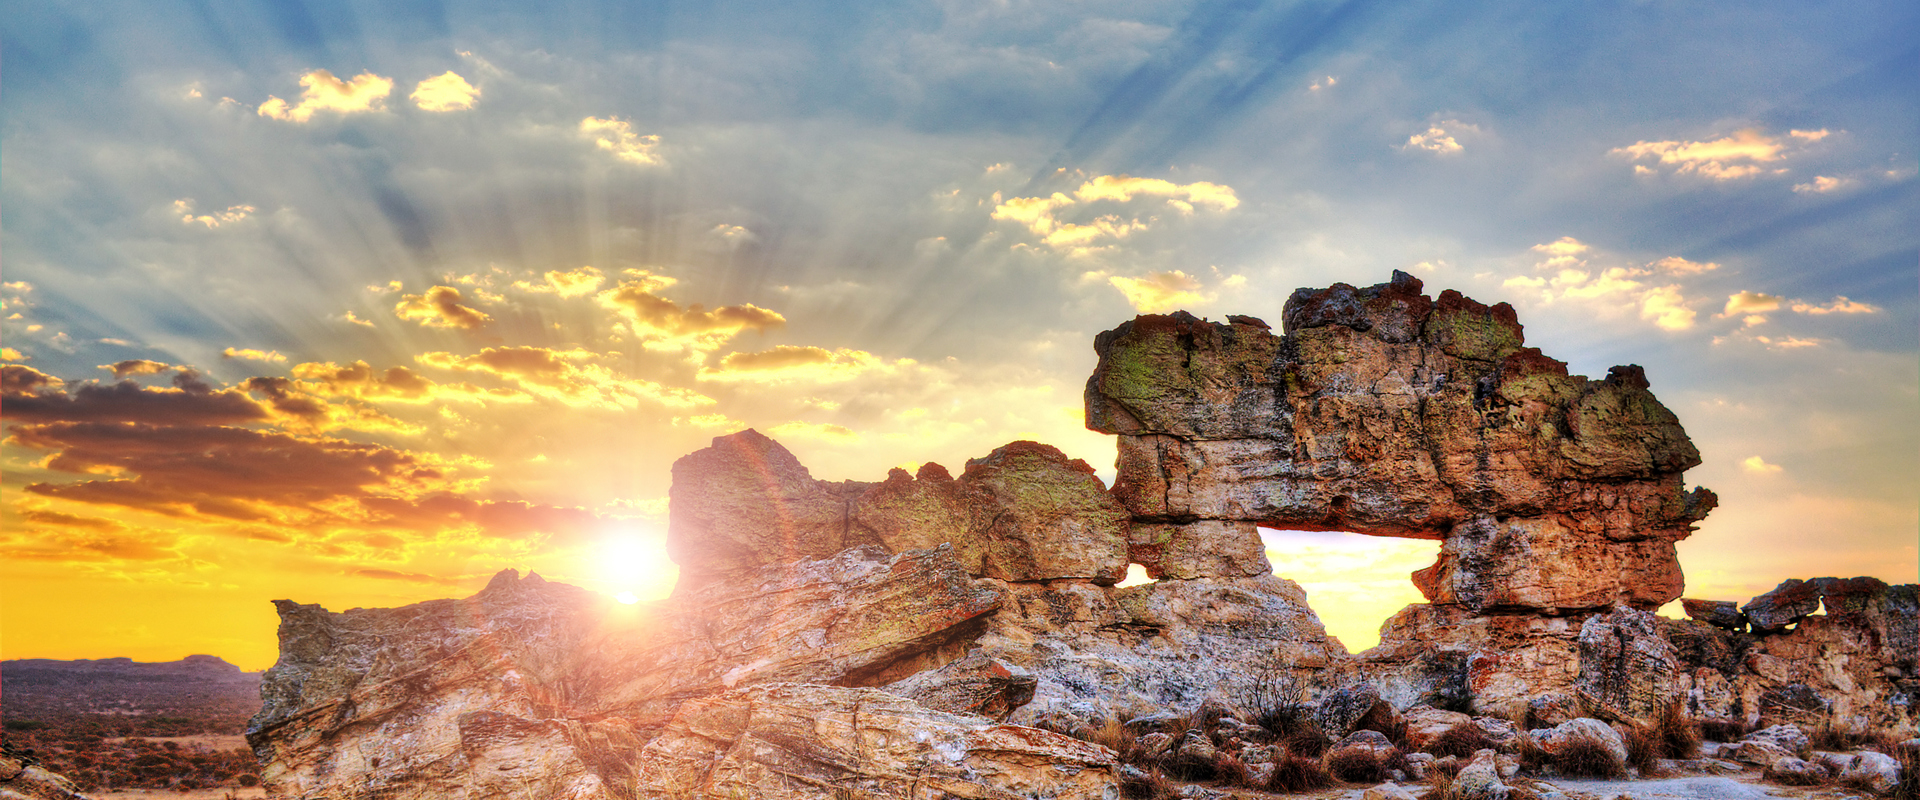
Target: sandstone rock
<point x="1554" y="739"/>
<point x="22" y="779"/>
<point x="1760" y="753"/>
<point x="1501" y="731"/>
<point x="1205" y="549"/>
<point x="1425" y="723"/>
<point x="394" y="684"/>
<point x="1718" y="613"/>
<point x="1626" y="669"/>
<point x="1479" y="780"/>
<point x="1050" y="518"/>
<point x="797" y="741"/>
<point x="1787" y="604"/>
<point x="1788" y="738"/>
<point x="745" y="502"/>
<point x="1876" y="772"/>
<point x="1349" y="707"/>
<point x="1367" y="740"/>
<point x="972" y="684"/>
<point x="1551" y="709"/>
<point x="1796" y="772"/>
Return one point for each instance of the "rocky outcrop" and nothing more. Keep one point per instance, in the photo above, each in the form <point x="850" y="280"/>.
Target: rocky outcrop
<point x="794" y="742"/>
<point x="22" y="779"/>
<point x="1385" y="412"/>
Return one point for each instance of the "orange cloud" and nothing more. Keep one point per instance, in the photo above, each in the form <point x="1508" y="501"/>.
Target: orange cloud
<point x="17" y="379"/>
<point x="324" y="92"/>
<point x="1738" y="155"/>
<point x="569" y="283"/>
<point x="796" y="363"/>
<point x="440" y="308"/>
<point x="561" y="376"/>
<point x="616" y="136"/>
<point x="136" y="366"/>
<point x="445" y="92"/>
<point x="1161" y="292"/>
<point x="251" y="354"/>
<point x="10" y="354"/>
<point x="189" y="403"/>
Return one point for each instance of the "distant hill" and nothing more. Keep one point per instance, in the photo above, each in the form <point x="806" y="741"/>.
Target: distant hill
<point x="215" y="695"/>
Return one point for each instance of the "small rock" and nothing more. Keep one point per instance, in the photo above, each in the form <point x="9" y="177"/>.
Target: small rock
<point x="1501" y="731"/>
<point x="1554" y="740"/>
<point x="1786" y="737"/>
<point x="1479" y="780"/>
<point x="1426" y="723"/>
<point x="1344" y="709"/>
<point x="1797" y="772"/>
<point x="1877" y="772"/>
<point x="1760" y="753"/>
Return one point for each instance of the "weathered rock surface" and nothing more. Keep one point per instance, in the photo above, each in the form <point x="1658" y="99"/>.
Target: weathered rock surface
<point x="1626" y="669"/>
<point x="1383" y="411"/>
<point x="396" y="684"/>
<point x="793" y="741"/>
<point x="1558" y="738"/>
<point x="21" y="779"/>
<point x="1718" y="613"/>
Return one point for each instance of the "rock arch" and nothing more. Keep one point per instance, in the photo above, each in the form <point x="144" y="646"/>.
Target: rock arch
<point x="1383" y="411"/>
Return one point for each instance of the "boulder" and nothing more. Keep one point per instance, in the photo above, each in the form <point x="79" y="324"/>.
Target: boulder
<point x="1797" y="772"/>
<point x="1551" y="709"/>
<point x="1204" y="549"/>
<point x="798" y="742"/>
<point x="1760" y="753"/>
<point x="1788" y="738"/>
<point x="1627" y="670"/>
<point x="1388" y="791"/>
<point x="22" y="779"/>
<point x="1723" y="614"/>
<point x="1050" y="517"/>
<point x="1557" y="738"/>
<point x="1425" y="723"/>
<point x="1788" y="603"/>
<point x="1479" y="780"/>
<point x="1347" y="708"/>
<point x="1876" y="772"/>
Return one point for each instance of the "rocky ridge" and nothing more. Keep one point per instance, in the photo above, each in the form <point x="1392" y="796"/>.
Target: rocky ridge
<point x="936" y="636"/>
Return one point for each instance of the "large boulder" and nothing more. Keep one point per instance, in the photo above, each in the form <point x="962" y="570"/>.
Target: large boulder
<point x="1627" y="670"/>
<point x="745" y="502"/>
<point x="22" y="779"/>
<point x="797" y="742"/>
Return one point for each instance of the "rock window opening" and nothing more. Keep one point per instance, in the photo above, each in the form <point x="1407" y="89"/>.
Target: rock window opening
<point x="1354" y="582"/>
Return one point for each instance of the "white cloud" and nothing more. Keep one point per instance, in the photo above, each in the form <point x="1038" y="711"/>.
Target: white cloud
<point x="1759" y="466"/>
<point x="1441" y="137"/>
<point x="1750" y="303"/>
<point x="184" y="207"/>
<point x="616" y="136"/>
<point x="1741" y="154"/>
<point x="324" y="92"/>
<point x="1840" y="305"/>
<point x="1041" y="215"/>
<point x="445" y="92"/>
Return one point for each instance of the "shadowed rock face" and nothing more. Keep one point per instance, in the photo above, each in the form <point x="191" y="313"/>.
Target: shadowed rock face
<point x="1382" y="411"/>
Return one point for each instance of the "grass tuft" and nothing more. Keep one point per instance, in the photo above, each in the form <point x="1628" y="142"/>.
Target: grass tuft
<point x="1462" y="741"/>
<point x="1588" y="757"/>
<point x="1294" y="774"/>
<point x="1356" y="765"/>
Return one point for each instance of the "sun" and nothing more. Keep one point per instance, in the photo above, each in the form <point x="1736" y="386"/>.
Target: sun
<point x="633" y="567"/>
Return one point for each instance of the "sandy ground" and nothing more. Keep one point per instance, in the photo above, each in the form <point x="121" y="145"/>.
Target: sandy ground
<point x="204" y="741"/>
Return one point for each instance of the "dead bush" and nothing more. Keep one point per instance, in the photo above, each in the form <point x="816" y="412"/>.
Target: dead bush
<point x="1356" y="765"/>
<point x="1679" y="733"/>
<point x="1588" y="757"/>
<point x="1229" y="769"/>
<point x="1294" y="774"/>
<point x="1307" y="740"/>
<point x="1462" y="740"/>
<point x="1146" y="785"/>
<point x="1644" y="748"/>
<point x="1721" y="729"/>
<point x="1829" y="736"/>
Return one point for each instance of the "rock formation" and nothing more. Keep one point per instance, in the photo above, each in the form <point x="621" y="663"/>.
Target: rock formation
<point x="928" y="635"/>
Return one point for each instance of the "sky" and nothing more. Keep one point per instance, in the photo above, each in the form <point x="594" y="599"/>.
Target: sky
<point x="358" y="303"/>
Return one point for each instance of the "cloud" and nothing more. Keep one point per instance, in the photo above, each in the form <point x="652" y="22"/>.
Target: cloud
<point x="1563" y="246"/>
<point x="1759" y="466"/>
<point x="1665" y="308"/>
<point x="446" y="92"/>
<point x="1160" y="292"/>
<point x="354" y="319"/>
<point x="561" y="376"/>
<point x="250" y="354"/>
<point x="17" y="379"/>
<point x="566" y="283"/>
<point x="653" y="316"/>
<point x="10" y="354"/>
<point x="1738" y="155"/>
<point x="324" y="92"/>
<point x="813" y="430"/>
<point x="293" y="407"/>
<point x="184" y="207"/>
<point x="440" y="308"/>
<point x="1441" y="137"/>
<point x="45" y="517"/>
<point x="1324" y="83"/>
<point x="787" y="363"/>
<point x="616" y="136"/>
<point x="1822" y="184"/>
<point x="359" y="380"/>
<point x="189" y="403"/>
<point x="1840" y="305"/>
<point x="1041" y="214"/>
<point x="136" y="366"/>
<point x="1680" y="266"/>
<point x="1750" y="303"/>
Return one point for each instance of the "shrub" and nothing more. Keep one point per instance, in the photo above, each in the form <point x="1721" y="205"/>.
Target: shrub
<point x="1442" y="771"/>
<point x="1644" y="749"/>
<point x="1229" y="769"/>
<point x="1532" y="757"/>
<point x="1298" y="774"/>
<point x="1307" y="740"/>
<point x="1145" y="786"/>
<point x="1356" y="765"/>
<point x="1110" y="733"/>
<point x="1721" y="729"/>
<point x="1679" y="734"/>
<point x="1462" y="741"/>
<point x="1830" y="736"/>
<point x="1587" y="757"/>
<point x="1273" y="701"/>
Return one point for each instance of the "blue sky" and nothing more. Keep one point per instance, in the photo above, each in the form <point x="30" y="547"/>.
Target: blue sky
<point x="903" y="224"/>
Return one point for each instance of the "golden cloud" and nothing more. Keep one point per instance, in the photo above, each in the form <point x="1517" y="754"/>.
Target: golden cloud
<point x="397" y="384"/>
<point x="566" y="283"/>
<point x="190" y="402"/>
<point x="297" y="409"/>
<point x="652" y="315"/>
<point x="1680" y="266"/>
<point x="324" y="92"/>
<point x="786" y="363"/>
<point x="1822" y="184"/>
<point x="1738" y="155"/>
<point x="10" y="354"/>
<point x="560" y="376"/>
<point x="1750" y="303"/>
<point x="1759" y="466"/>
<point x="250" y="354"/>
<point x="813" y="430"/>
<point x="446" y="92"/>
<point x="18" y="379"/>
<point x="1122" y="188"/>
<point x="616" y="136"/>
<point x="136" y="366"/>
<point x="1664" y="307"/>
<point x="440" y="308"/>
<point x="1440" y="137"/>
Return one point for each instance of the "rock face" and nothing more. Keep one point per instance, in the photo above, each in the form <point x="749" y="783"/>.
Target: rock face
<point x="21" y="778"/>
<point x="787" y="741"/>
<point x="1385" y="412"/>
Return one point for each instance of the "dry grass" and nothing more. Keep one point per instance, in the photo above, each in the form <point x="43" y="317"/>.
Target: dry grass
<point x="1829" y="736"/>
<point x="1816" y="778"/>
<point x="1721" y="729"/>
<point x="1532" y="758"/>
<point x="1229" y="769"/>
<point x="1147" y="786"/>
<point x="1307" y="740"/>
<point x="1588" y="757"/>
<point x="1294" y="774"/>
<point x="1110" y="733"/>
<point x="1356" y="765"/>
<point x="1462" y="740"/>
<point x="1679" y="733"/>
<point x="1909" y="786"/>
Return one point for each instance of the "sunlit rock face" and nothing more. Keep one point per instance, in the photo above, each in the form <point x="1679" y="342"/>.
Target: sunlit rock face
<point x="1385" y="412"/>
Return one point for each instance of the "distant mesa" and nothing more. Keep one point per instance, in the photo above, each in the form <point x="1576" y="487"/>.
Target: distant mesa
<point x="933" y="634"/>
